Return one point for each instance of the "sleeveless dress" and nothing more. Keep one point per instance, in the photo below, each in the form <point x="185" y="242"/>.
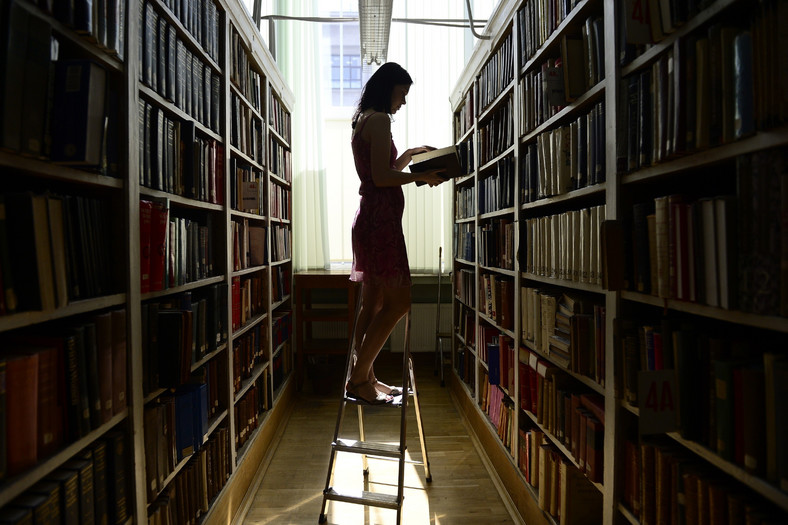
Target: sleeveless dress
<point x="379" y="254"/>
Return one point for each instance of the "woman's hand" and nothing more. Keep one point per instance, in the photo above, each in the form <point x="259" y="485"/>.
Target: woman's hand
<point x="432" y="177"/>
<point x="420" y="149"/>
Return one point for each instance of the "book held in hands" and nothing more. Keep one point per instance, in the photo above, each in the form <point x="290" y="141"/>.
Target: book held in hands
<point x="444" y="158"/>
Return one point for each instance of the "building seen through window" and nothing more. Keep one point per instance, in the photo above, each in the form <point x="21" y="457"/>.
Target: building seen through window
<point x="348" y="74"/>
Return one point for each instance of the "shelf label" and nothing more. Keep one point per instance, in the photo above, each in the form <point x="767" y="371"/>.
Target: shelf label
<point x="658" y="401"/>
<point x="251" y="196"/>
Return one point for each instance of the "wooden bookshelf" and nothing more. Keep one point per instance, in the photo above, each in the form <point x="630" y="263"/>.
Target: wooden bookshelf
<point x="199" y="214"/>
<point x="699" y="173"/>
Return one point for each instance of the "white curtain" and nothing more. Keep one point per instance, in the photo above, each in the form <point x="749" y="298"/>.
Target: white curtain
<point x="325" y="183"/>
<point x="298" y="54"/>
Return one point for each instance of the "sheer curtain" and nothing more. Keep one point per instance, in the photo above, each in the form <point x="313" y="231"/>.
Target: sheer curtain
<point x="325" y="183"/>
<point x="298" y="57"/>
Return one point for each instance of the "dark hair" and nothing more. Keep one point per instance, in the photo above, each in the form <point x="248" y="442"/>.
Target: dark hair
<point x="377" y="91"/>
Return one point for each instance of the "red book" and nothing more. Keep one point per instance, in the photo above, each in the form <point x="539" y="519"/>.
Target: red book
<point x="145" y="223"/>
<point x="118" y="360"/>
<point x="21" y="411"/>
<point x="236" y="290"/>
<point x="160" y="218"/>
<point x="525" y="387"/>
<point x="104" y="354"/>
<point x="595" y="434"/>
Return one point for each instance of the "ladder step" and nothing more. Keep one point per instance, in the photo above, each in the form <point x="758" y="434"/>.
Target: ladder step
<point x="387" y="501"/>
<point x="368" y="448"/>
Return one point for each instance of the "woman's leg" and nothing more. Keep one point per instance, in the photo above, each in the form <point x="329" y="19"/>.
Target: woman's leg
<point x="394" y="303"/>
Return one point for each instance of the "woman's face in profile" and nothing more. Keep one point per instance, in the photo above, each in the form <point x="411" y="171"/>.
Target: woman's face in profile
<point x="398" y="95"/>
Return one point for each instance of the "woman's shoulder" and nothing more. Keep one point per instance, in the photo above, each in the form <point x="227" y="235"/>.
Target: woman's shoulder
<point x="373" y="123"/>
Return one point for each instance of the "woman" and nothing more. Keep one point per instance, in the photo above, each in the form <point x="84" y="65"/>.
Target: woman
<point x="380" y="260"/>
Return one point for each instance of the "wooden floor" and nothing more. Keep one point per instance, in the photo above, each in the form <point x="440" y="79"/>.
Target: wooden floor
<point x="461" y="490"/>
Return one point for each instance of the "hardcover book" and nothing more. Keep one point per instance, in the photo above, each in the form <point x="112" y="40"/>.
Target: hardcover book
<point x="446" y="158"/>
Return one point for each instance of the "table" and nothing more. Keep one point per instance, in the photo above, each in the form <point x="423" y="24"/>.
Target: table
<point x="307" y="313"/>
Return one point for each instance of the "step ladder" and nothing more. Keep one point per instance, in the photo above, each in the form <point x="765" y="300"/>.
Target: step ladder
<point x="381" y="450"/>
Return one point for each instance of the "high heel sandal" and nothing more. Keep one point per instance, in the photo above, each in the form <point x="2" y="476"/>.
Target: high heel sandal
<point x="353" y="392"/>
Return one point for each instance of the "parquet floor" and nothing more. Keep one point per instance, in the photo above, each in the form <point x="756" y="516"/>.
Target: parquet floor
<point x="461" y="491"/>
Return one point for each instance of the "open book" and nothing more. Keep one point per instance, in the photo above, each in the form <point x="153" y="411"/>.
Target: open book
<point x="446" y="158"/>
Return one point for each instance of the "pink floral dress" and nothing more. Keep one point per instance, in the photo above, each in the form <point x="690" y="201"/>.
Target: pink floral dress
<point x="379" y="254"/>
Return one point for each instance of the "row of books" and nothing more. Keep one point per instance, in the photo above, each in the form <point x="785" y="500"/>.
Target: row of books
<point x="467" y="156"/>
<point x="500" y="356"/>
<point x="69" y="239"/>
<point x="183" y="331"/>
<point x="281" y="327"/>
<point x="565" y="158"/>
<point x="59" y="386"/>
<point x="465" y="287"/>
<point x="496" y="243"/>
<point x="280" y="242"/>
<point x="463" y="119"/>
<point x="464" y="240"/>
<point x="281" y="162"/>
<point x="249" y="408"/>
<point x="572" y="415"/>
<point x="280" y="283"/>
<point x="663" y="483"/>
<point x="730" y="394"/>
<point x="464" y="202"/>
<point x="249" y="352"/>
<point x="565" y="246"/>
<point x="173" y="250"/>
<point x="537" y="20"/>
<point x="465" y="365"/>
<point x="54" y="107"/>
<point x="496" y="135"/>
<point x="176" y="159"/>
<point x="249" y="295"/>
<point x="201" y="19"/>
<point x="701" y="98"/>
<point x="242" y="74"/>
<point x="249" y="244"/>
<point x="496" y="189"/>
<point x="175" y="428"/>
<point x="566" y="329"/>
<point x="712" y="250"/>
<point x="496" y="299"/>
<point x="282" y="364"/>
<point x="496" y="74"/>
<point x="197" y="327"/>
<point x="103" y="24"/>
<point x="246" y="187"/>
<point x="564" y="491"/>
<point x="279" y="118"/>
<point x="559" y="81"/>
<point x="279" y="201"/>
<point x="187" y="498"/>
<point x="499" y="408"/>
<point x="465" y="325"/>
<point x="91" y="487"/>
<point x="247" y="131"/>
<point x="177" y="73"/>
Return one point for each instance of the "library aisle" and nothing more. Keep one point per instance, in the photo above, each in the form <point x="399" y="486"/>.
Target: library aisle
<point x="461" y="490"/>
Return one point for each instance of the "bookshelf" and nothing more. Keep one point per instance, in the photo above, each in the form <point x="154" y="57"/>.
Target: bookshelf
<point x="146" y="261"/>
<point x="559" y="344"/>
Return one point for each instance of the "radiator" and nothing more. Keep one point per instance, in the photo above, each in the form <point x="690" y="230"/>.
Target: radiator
<point x="422" y="329"/>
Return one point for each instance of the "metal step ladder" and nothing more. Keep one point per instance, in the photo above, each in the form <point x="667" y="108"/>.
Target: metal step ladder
<point x="380" y="450"/>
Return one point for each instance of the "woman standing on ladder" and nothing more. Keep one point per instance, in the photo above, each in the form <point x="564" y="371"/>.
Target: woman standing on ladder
<point x="380" y="259"/>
